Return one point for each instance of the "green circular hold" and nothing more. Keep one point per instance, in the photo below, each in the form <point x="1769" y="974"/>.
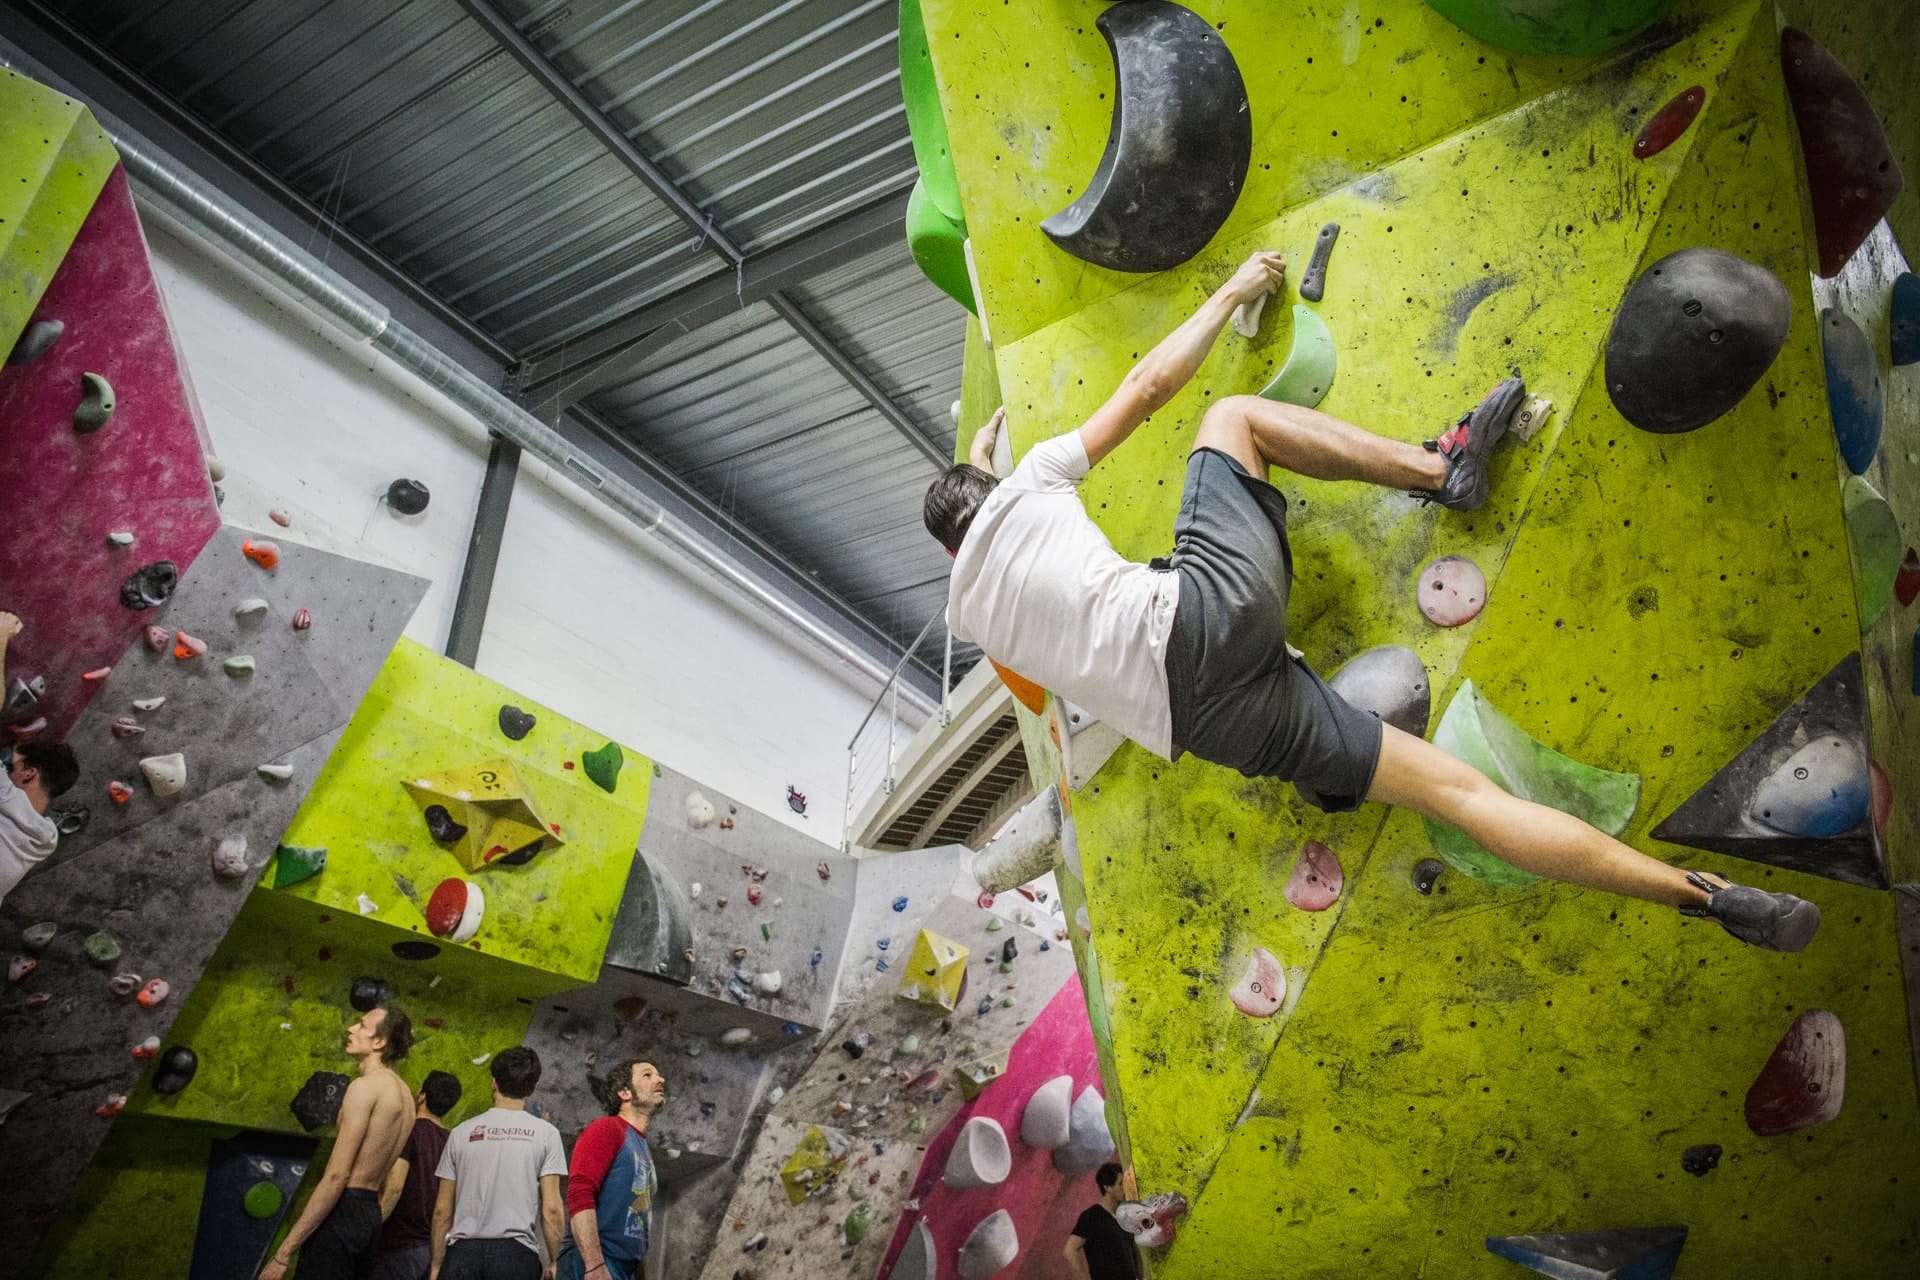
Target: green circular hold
<point x="263" y="1199"/>
<point x="1553" y="28"/>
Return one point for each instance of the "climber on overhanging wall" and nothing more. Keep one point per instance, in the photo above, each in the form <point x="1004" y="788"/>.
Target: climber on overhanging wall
<point x="35" y="773"/>
<point x="1189" y="654"/>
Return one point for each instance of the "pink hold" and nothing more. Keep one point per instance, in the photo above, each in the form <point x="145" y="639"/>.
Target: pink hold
<point x="33" y="727"/>
<point x="280" y="516"/>
<point x="126" y="727"/>
<point x="1804" y="1082"/>
<point x="302" y="620"/>
<point x="825" y="872"/>
<point x="1451" y="591"/>
<point x="157" y="638"/>
<point x="1263" y="987"/>
<point x="753" y="894"/>
<point x="984" y="899"/>
<point x="20" y="967"/>
<point x="39" y="1000"/>
<point x="1316" y="880"/>
<point x="1881" y="789"/>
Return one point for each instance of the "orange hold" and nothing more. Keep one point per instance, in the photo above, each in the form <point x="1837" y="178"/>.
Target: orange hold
<point x="186" y="646"/>
<point x="153" y="993"/>
<point x="97" y="674"/>
<point x="1026" y="692"/>
<point x="263" y="553"/>
<point x="120" y="791"/>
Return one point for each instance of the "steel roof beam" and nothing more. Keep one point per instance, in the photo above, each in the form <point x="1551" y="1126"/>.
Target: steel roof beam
<point x="608" y="354"/>
<point x="610" y="136"/>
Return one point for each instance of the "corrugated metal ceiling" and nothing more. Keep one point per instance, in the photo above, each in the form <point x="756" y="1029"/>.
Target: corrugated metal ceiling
<point x="409" y="123"/>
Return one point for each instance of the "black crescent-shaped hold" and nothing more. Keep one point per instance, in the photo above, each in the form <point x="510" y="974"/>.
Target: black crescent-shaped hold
<point x="1178" y="148"/>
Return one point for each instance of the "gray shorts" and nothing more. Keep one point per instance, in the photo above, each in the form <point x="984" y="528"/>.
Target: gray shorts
<point x="1238" y="698"/>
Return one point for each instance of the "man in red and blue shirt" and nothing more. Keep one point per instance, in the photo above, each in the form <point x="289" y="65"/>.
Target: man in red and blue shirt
<point x="612" y="1182"/>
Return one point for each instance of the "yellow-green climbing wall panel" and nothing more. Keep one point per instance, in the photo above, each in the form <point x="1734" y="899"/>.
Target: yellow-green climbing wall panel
<point x="425" y="714"/>
<point x="1477" y="1062"/>
<point x="1336" y="89"/>
<point x="61" y="159"/>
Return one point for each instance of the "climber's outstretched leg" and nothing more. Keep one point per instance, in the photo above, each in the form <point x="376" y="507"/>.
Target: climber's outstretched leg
<point x="1547" y="842"/>
<point x="1260" y="434"/>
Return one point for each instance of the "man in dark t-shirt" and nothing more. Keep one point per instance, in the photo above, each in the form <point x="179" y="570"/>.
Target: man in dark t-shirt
<point x="1100" y="1248"/>
<point x="405" y="1249"/>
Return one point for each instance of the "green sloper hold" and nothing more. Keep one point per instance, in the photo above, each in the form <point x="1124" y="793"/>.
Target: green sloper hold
<point x="925" y="121"/>
<point x="1473" y="731"/>
<point x="262" y="1200"/>
<point x="297" y="862"/>
<point x="859" y="1220"/>
<point x="1553" y="28"/>
<point x="1874" y="532"/>
<point x="1308" y="372"/>
<point x="603" y="766"/>
<point x="938" y="244"/>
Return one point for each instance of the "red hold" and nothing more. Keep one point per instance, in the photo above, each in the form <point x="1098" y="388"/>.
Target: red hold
<point x="1669" y="122"/>
<point x="1906" y="583"/>
<point x="153" y="993"/>
<point x="1851" y="173"/>
<point x="119" y="791"/>
<point x="302" y="620"/>
<point x="1805" y="1081"/>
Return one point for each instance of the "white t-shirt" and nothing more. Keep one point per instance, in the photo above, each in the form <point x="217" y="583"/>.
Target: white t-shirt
<point x="1039" y="587"/>
<point x="496" y="1161"/>
<point x="26" y="837"/>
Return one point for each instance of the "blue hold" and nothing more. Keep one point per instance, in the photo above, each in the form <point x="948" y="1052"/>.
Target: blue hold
<point x="1854" y="397"/>
<point x="1642" y="1253"/>
<point x="884" y="943"/>
<point x="899" y="904"/>
<point x="814" y="963"/>
<point x="1821" y="790"/>
<point x="1903" y="338"/>
<point x="794" y="1029"/>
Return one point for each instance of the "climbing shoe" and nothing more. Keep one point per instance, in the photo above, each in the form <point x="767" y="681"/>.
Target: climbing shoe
<point x="1776" y="921"/>
<point x="1468" y="444"/>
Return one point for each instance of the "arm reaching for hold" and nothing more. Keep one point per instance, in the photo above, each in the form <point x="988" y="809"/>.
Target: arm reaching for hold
<point x="1170" y="365"/>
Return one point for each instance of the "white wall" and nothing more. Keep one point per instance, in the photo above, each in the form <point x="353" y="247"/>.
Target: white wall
<point x="588" y="616"/>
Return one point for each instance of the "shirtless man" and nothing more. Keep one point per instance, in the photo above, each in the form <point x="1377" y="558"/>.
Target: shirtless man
<point x="341" y="1223"/>
<point x="1189" y="654"/>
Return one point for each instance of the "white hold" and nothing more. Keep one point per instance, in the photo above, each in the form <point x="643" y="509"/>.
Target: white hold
<point x="736" y="1035"/>
<point x="917" y="1260"/>
<point x="166" y="775"/>
<point x="1089" y="1144"/>
<point x="251" y="607"/>
<point x="768" y="983"/>
<point x="980" y="1155"/>
<point x="148" y="704"/>
<point x="990" y="1246"/>
<point x="230" y="857"/>
<point x="953" y="411"/>
<point x="775" y="1094"/>
<point x="1025" y="848"/>
<point x="148" y="1047"/>
<point x="1262" y="988"/>
<point x="275" y="772"/>
<point x="700" y="811"/>
<point x="481" y="1061"/>
<point x="216" y="469"/>
<point x="1246" y="316"/>
<point x="693" y="890"/>
<point x="367" y="905"/>
<point x="1045" y="1122"/>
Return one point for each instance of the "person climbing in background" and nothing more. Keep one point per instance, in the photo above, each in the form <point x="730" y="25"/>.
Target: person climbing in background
<point x="610" y="1191"/>
<point x="1099" y="1248"/>
<point x="405" y="1248"/>
<point x="1189" y="654"/>
<point x="500" y="1174"/>
<point x="336" y="1233"/>
<point x="36" y="772"/>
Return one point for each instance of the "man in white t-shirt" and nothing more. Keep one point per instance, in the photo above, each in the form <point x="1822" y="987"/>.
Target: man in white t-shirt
<point x="1189" y="654"/>
<point x="36" y="772"/>
<point x="500" y="1185"/>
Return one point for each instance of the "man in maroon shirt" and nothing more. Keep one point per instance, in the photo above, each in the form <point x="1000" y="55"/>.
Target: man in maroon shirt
<point x="405" y="1250"/>
<point x="612" y="1182"/>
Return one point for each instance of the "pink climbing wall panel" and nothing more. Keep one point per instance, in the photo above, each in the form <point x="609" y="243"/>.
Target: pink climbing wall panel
<point x="143" y="473"/>
<point x="1043" y="1202"/>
